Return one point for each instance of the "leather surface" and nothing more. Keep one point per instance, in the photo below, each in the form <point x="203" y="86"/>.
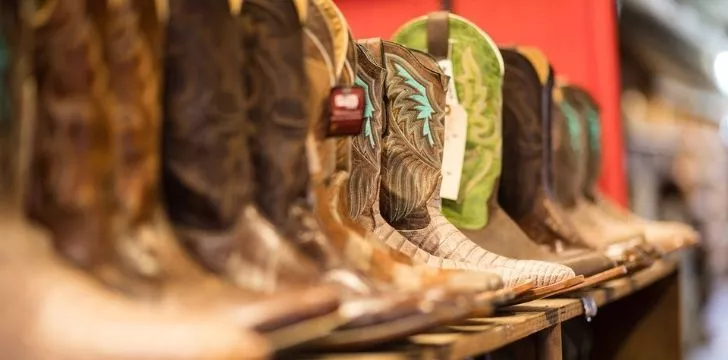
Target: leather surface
<point x="524" y="188"/>
<point x="41" y="288"/>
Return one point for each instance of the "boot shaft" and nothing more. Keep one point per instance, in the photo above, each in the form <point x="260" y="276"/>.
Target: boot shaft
<point x="591" y="124"/>
<point x="276" y="88"/>
<point x="477" y="76"/>
<point x="132" y="35"/>
<point x="523" y="137"/>
<point x="412" y="143"/>
<point x="205" y="160"/>
<point x="70" y="188"/>
<point x="366" y="147"/>
<point x="567" y="148"/>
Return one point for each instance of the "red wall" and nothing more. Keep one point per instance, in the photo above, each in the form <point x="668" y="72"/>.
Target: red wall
<point x="579" y="37"/>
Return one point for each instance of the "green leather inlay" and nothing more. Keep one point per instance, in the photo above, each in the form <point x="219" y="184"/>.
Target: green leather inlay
<point x="572" y="124"/>
<point x="368" y="109"/>
<point x="423" y="107"/>
<point x="477" y="72"/>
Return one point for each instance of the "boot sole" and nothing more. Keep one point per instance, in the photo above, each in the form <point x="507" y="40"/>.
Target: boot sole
<point x="545" y="291"/>
<point x="596" y="279"/>
<point x="304" y="331"/>
<point x="367" y="336"/>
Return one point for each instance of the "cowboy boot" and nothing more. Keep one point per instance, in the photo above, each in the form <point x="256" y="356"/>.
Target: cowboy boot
<point x="358" y="192"/>
<point x="282" y="108"/>
<point x="477" y="86"/>
<point x="408" y="199"/>
<point x="363" y="186"/>
<point x="72" y="315"/>
<point x="592" y="226"/>
<point x="132" y="250"/>
<point x="525" y="192"/>
<point x="666" y="236"/>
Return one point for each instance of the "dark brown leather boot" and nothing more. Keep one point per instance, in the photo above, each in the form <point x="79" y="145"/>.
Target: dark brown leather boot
<point x="666" y="236"/>
<point x="41" y="289"/>
<point x="525" y="192"/>
<point x="478" y="72"/>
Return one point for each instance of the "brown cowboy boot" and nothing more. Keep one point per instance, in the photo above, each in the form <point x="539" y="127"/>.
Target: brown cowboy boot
<point x="666" y="236"/>
<point x="285" y="100"/>
<point x="366" y="168"/>
<point x="478" y="69"/>
<point x="409" y="200"/>
<point x="525" y="192"/>
<point x="61" y="311"/>
<point x="363" y="186"/>
<point x="138" y="255"/>
<point x="592" y="226"/>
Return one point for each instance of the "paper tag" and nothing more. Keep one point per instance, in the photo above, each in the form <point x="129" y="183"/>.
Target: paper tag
<point x="453" y="153"/>
<point x="452" y="94"/>
<point x="456" y="131"/>
<point x="346" y="111"/>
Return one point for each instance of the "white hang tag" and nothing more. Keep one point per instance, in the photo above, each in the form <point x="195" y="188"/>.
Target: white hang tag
<point x="456" y="130"/>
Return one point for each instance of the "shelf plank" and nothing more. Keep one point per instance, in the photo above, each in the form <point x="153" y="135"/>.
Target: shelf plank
<point x="477" y="336"/>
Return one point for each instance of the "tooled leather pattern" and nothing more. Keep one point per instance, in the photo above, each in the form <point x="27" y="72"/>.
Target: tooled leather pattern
<point x="205" y="157"/>
<point x="366" y="148"/>
<point x="70" y="170"/>
<point x="411" y="148"/>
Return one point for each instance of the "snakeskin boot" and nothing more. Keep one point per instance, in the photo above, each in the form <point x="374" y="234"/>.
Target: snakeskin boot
<point x="666" y="236"/>
<point x="363" y="187"/>
<point x="66" y="143"/>
<point x="478" y="76"/>
<point x="411" y="159"/>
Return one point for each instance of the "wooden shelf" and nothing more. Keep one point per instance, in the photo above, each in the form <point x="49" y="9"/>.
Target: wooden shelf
<point x="478" y="336"/>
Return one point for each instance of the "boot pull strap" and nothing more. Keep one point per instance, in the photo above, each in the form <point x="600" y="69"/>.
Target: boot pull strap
<point x="438" y="33"/>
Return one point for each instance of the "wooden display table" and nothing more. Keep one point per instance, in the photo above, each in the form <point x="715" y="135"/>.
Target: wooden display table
<point x="637" y="318"/>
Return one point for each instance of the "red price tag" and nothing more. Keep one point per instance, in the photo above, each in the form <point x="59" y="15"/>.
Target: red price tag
<point x="346" y="111"/>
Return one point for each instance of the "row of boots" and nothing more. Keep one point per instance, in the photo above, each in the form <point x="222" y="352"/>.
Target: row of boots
<point x="217" y="179"/>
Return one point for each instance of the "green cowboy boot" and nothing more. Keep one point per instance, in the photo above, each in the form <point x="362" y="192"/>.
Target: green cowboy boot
<point x="478" y="77"/>
<point x="666" y="236"/>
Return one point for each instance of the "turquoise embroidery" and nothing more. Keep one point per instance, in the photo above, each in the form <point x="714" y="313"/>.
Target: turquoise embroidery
<point x="368" y="110"/>
<point x="594" y="129"/>
<point x="424" y="106"/>
<point x="573" y="124"/>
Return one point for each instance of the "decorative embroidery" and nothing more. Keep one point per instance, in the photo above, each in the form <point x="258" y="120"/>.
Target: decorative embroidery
<point x="368" y="109"/>
<point x="572" y="124"/>
<point x="424" y="107"/>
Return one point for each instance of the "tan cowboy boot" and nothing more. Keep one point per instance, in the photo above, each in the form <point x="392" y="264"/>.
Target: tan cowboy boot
<point x="55" y="310"/>
<point x="666" y="236"/>
<point x="477" y="68"/>
<point x="408" y="197"/>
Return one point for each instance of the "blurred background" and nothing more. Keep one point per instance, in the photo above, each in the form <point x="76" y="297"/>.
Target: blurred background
<point x="659" y="69"/>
